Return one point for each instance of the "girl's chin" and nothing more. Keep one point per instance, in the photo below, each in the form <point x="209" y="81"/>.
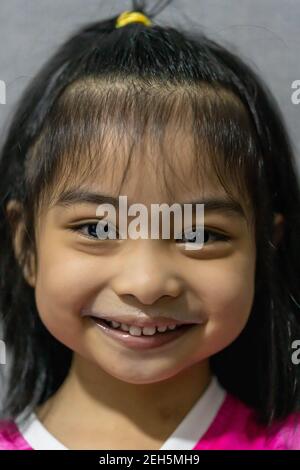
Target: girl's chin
<point x="134" y="372"/>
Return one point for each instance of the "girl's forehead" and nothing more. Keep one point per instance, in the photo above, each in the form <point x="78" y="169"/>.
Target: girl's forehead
<point x="150" y="174"/>
<point x="149" y="182"/>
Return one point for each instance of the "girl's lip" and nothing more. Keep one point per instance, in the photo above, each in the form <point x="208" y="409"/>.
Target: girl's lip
<point x="141" y="342"/>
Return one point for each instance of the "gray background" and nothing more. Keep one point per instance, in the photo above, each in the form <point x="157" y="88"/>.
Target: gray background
<point x="264" y="32"/>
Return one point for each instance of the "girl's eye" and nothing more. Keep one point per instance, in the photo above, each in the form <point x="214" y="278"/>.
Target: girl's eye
<point x="207" y="234"/>
<point x="103" y="230"/>
<point x="100" y="230"/>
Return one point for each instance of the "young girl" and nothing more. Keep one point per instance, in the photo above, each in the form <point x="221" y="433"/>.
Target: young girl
<point x="142" y="343"/>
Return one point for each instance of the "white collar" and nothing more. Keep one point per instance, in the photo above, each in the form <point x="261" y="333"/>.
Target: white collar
<point x="185" y="437"/>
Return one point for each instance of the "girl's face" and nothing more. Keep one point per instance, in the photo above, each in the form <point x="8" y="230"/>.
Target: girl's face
<point x="212" y="286"/>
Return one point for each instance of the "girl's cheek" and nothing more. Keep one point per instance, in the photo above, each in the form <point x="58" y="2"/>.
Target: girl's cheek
<point x="225" y="291"/>
<point x="67" y="282"/>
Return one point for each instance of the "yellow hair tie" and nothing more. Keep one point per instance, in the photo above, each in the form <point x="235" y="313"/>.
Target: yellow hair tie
<point x="132" y="17"/>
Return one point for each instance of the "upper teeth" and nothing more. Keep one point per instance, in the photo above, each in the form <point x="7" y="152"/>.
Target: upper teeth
<point x="138" y="331"/>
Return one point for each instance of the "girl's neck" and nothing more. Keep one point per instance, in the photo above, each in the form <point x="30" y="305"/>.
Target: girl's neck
<point x="109" y="411"/>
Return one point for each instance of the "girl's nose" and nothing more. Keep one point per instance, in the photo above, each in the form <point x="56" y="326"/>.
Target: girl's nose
<point x="147" y="274"/>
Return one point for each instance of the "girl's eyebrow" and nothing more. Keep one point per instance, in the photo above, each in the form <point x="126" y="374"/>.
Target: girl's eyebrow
<point x="214" y="204"/>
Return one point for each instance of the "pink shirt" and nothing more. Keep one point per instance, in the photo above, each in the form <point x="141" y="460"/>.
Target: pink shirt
<point x="217" y="421"/>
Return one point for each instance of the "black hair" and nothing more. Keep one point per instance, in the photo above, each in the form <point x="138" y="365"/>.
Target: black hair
<point x="142" y="78"/>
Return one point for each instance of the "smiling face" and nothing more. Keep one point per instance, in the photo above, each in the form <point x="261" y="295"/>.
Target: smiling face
<point x="77" y="271"/>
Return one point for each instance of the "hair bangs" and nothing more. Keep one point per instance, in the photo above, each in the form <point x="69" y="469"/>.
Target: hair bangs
<point x="195" y="132"/>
